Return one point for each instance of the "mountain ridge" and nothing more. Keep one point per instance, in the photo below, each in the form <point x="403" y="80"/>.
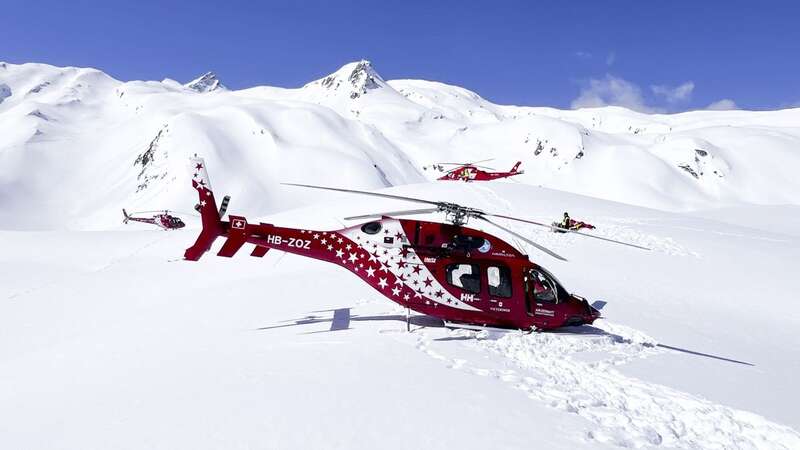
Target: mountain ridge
<point x="375" y="133"/>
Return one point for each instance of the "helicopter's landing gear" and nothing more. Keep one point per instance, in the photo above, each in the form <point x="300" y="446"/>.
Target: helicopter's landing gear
<point x="467" y="326"/>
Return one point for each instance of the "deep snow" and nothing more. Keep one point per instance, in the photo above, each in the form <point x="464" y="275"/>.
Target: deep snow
<point x="109" y="339"/>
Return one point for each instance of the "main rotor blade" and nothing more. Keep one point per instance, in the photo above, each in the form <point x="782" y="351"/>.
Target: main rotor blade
<point x="461" y="166"/>
<point x="519" y="220"/>
<point x="515" y="234"/>
<point x="483" y="167"/>
<point x="160" y="211"/>
<point x="374" y="194"/>
<point x="465" y="163"/>
<point x="605" y="239"/>
<point x="568" y="231"/>
<point x="430" y="202"/>
<point x="407" y="212"/>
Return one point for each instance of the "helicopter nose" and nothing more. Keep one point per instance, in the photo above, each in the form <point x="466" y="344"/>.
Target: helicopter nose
<point x="593" y="315"/>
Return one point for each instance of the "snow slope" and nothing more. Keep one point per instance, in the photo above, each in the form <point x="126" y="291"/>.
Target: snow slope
<point x="353" y="128"/>
<point x="109" y="340"/>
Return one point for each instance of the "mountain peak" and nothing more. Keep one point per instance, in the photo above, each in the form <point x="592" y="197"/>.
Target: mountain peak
<point x="355" y="79"/>
<point x="206" y="83"/>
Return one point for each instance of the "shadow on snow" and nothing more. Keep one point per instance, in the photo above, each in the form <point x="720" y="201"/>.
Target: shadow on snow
<point x="342" y="317"/>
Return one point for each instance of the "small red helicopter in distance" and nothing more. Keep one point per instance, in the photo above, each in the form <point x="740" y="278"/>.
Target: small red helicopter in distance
<point x="463" y="276"/>
<point x="162" y="219"/>
<point x="473" y="172"/>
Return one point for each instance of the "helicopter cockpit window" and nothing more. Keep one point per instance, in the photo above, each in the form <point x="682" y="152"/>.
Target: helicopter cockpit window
<point x="499" y="281"/>
<point x="465" y="276"/>
<point x="543" y="288"/>
<point x="371" y="227"/>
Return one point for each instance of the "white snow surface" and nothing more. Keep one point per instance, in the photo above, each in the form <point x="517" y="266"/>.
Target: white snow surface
<point x="108" y="339"/>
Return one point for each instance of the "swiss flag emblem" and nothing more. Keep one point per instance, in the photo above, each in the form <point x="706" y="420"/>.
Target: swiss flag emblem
<point x="238" y="224"/>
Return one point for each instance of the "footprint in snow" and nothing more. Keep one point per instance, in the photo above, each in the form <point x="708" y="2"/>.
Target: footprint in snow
<point x="624" y="411"/>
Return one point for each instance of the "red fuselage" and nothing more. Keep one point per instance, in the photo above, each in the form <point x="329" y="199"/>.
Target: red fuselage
<point x="472" y="173"/>
<point x="453" y="273"/>
<point x="164" y="221"/>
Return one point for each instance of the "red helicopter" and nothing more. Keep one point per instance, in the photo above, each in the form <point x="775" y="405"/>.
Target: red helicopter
<point x="473" y="172"/>
<point x="162" y="219"/>
<point x="465" y="277"/>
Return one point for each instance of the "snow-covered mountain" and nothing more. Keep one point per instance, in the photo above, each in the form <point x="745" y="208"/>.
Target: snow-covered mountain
<point x="353" y="128"/>
<point x="109" y="340"/>
<point x="207" y="82"/>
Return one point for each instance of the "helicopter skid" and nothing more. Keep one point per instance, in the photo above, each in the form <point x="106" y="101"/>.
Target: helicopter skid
<point x="468" y="326"/>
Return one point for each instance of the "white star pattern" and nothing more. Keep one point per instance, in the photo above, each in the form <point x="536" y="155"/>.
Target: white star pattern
<point x="400" y="267"/>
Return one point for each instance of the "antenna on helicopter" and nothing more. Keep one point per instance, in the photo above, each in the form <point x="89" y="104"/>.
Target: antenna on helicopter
<point x="224" y="206"/>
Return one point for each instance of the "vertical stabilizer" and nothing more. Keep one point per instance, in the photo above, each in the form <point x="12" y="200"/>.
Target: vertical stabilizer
<point x="207" y="207"/>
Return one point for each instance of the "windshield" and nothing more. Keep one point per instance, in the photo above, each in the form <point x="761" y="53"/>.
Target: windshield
<point x="543" y="287"/>
<point x="552" y="277"/>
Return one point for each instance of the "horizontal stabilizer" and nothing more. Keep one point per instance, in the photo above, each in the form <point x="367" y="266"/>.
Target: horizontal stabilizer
<point x="259" y="251"/>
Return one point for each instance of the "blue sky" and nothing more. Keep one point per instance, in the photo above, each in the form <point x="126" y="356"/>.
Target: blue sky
<point x="652" y="56"/>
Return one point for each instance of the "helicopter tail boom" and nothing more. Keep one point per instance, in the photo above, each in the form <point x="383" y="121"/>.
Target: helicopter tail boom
<point x="213" y="227"/>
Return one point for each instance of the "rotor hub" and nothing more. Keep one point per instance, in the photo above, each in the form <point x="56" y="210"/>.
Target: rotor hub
<point x="457" y="214"/>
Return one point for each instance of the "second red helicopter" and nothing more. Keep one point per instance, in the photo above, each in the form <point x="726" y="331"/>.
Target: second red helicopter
<point x="162" y="219"/>
<point x="473" y="172"/>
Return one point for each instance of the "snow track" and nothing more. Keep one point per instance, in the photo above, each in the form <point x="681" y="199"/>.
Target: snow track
<point x="578" y="374"/>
